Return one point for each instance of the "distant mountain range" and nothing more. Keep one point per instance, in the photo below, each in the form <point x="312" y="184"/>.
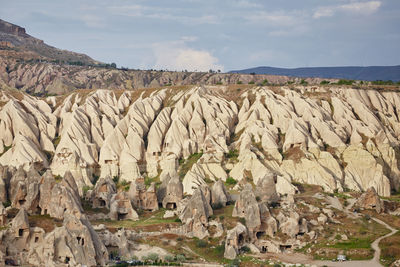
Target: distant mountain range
<point x="372" y="73"/>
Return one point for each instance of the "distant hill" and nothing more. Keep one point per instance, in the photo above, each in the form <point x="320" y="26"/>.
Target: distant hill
<point x="372" y="73"/>
<point x="15" y="37"/>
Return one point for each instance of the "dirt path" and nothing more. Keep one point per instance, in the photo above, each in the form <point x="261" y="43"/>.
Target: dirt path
<point x="375" y="244"/>
<point x="374" y="262"/>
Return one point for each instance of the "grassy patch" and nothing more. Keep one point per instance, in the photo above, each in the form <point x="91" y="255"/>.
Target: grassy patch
<point x="210" y="250"/>
<point x="390" y="249"/>
<point x="187" y="164"/>
<point x="232" y="154"/>
<point x="225" y="215"/>
<point x="149" y="221"/>
<point x="56" y="141"/>
<point x="6" y="148"/>
<point x="230" y="181"/>
<point x="148" y="181"/>
<point x="353" y="243"/>
<point x="87" y="207"/>
<point x="44" y="221"/>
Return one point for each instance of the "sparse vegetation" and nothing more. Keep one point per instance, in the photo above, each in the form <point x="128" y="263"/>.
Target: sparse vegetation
<point x="345" y="82"/>
<point x="390" y="249"/>
<point x="230" y="181"/>
<point x="232" y="154"/>
<point x="187" y="164"/>
<point x="201" y="243"/>
<point x="5" y="149"/>
<point x="324" y="82"/>
<point x="303" y="82"/>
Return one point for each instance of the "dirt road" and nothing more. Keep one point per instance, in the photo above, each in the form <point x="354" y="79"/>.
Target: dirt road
<point x="374" y="262"/>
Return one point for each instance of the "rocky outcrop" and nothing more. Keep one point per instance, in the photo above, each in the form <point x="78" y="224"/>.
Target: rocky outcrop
<point x="195" y="214"/>
<point x="370" y="200"/>
<point x="64" y="198"/>
<point x="75" y="243"/>
<point x="247" y="207"/>
<point x="121" y="208"/>
<point x="219" y="194"/>
<point x="235" y="239"/>
<point x="102" y="193"/>
<point x="142" y="198"/>
<point x="173" y="193"/>
<point x="266" y="189"/>
<point x="3" y="215"/>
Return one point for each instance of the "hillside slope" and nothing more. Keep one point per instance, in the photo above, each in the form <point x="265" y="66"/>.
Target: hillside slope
<point x="15" y="37"/>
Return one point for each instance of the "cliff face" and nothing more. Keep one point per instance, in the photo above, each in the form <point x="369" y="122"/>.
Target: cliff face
<point x="338" y="138"/>
<point x="12" y="29"/>
<point x="25" y="44"/>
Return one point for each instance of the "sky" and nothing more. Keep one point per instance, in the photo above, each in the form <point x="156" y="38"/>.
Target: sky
<point x="216" y="34"/>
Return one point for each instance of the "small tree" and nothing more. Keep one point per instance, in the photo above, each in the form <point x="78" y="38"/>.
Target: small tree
<point x="153" y="257"/>
<point x="169" y="258"/>
<point x="180" y="258"/>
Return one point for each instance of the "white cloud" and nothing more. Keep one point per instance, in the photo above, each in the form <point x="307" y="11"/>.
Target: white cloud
<point x="364" y="8"/>
<point x="93" y="21"/>
<point x="156" y="13"/>
<point x="324" y="12"/>
<point x="178" y="56"/>
<point x="273" y="18"/>
<point x="247" y="4"/>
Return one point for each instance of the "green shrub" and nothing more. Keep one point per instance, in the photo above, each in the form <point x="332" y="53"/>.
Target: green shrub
<point x="222" y="217"/>
<point x="324" y="82"/>
<point x="201" y="243"/>
<point x="85" y="189"/>
<point x="234" y="263"/>
<point x="345" y="82"/>
<point x="239" y="82"/>
<point x="169" y="258"/>
<point x="116" y="179"/>
<point x="180" y="258"/>
<point x="95" y="178"/>
<point x="303" y="82"/>
<point x="380" y="82"/>
<point x="217" y="206"/>
<point x="245" y="249"/>
<point x="252" y="82"/>
<point x="153" y="257"/>
<point x="232" y="154"/>
<point x="220" y="249"/>
<point x="230" y="181"/>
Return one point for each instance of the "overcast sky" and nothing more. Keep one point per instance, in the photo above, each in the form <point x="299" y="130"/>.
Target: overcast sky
<point x="219" y="34"/>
